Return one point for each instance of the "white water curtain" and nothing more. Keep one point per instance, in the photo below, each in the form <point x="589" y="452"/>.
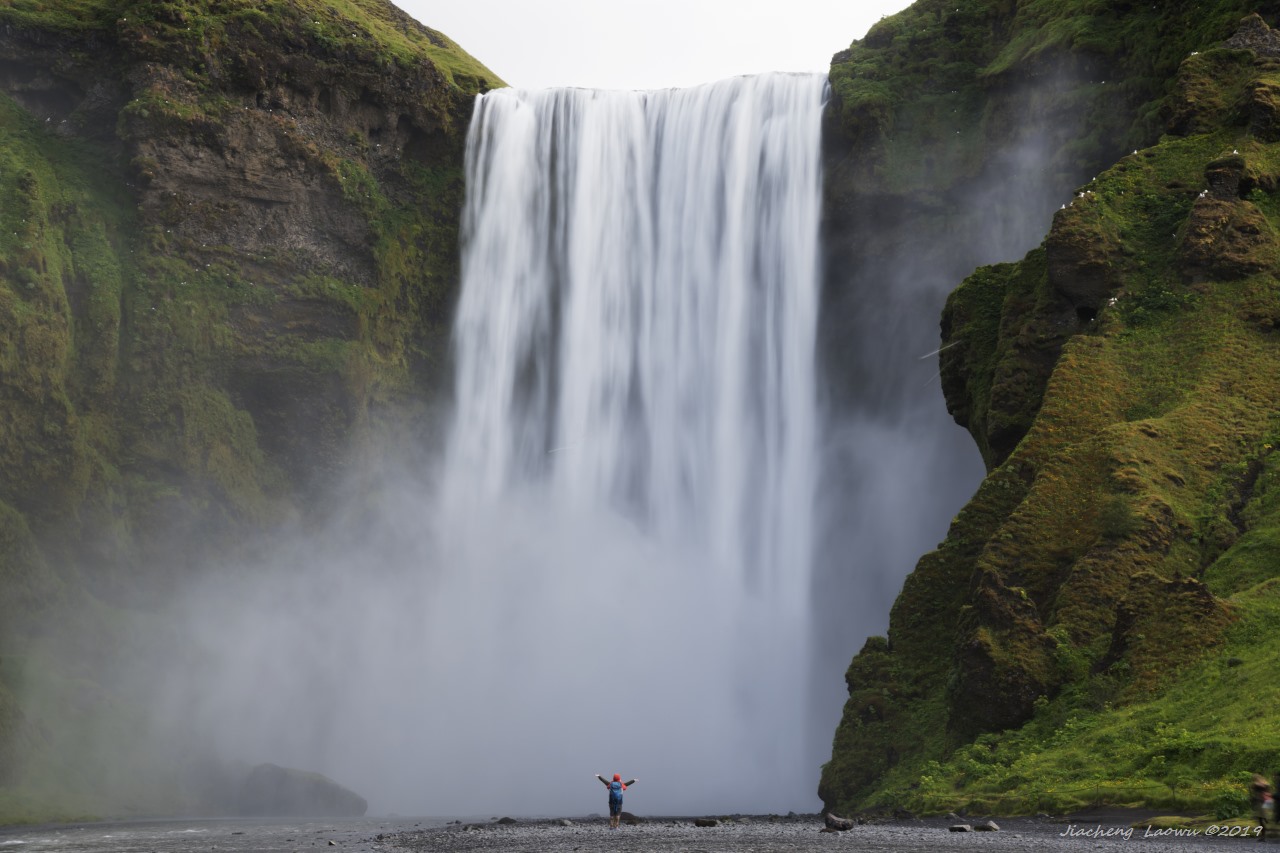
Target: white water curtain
<point x="627" y="495"/>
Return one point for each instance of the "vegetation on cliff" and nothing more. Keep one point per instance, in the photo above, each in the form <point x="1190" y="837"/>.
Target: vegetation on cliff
<point x="926" y="93"/>
<point x="220" y="221"/>
<point x="1095" y="627"/>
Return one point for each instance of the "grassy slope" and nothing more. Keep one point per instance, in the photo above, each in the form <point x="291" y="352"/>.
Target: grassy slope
<point x="1111" y="587"/>
<point x="365" y="29"/>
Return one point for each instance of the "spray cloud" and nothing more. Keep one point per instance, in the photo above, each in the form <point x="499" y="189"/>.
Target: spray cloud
<point x="610" y="569"/>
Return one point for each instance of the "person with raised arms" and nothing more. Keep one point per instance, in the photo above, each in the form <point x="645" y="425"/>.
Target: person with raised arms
<point x="616" y="787"/>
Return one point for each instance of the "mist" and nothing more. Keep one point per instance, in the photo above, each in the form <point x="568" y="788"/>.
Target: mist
<point x="606" y="569"/>
<point x="661" y="519"/>
<point x="895" y="467"/>
<point x="450" y="674"/>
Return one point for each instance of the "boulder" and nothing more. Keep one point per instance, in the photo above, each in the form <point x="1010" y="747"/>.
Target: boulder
<point x="1255" y="35"/>
<point x="271" y="790"/>
<point x="1225" y="238"/>
<point x="837" y="823"/>
<point x="960" y="827"/>
<point x="986" y="826"/>
<point x="706" y="821"/>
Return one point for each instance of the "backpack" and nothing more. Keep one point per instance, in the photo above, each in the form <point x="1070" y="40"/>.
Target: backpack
<point x="615" y="792"/>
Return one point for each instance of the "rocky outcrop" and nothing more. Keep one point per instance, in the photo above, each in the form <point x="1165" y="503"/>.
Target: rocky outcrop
<point x="1119" y="382"/>
<point x="273" y="791"/>
<point x="264" y="237"/>
<point x="235" y="253"/>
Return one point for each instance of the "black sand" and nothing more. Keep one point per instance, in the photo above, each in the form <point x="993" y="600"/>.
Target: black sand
<point x="1101" y="831"/>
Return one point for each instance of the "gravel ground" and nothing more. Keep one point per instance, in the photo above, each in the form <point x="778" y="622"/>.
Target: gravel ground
<point x="761" y="834"/>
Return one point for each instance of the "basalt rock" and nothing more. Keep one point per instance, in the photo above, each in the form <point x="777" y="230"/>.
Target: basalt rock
<point x="1162" y="624"/>
<point x="273" y="791"/>
<point x="1082" y="255"/>
<point x="1226" y="240"/>
<point x="1255" y="36"/>
<point x="1003" y="662"/>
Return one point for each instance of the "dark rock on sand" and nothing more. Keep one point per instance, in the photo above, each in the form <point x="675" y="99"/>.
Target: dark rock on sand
<point x="271" y="790"/>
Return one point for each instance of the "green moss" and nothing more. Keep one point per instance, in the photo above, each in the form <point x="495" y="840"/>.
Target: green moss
<point x="1124" y="566"/>
<point x="80" y="750"/>
<point x="28" y="584"/>
<point x="326" y="288"/>
<point x="995" y="362"/>
<point x="1188" y="745"/>
<point x="159" y="356"/>
<point x="1250" y="517"/>
<point x="931" y="91"/>
<point x="61" y="237"/>
<point x="342" y="29"/>
<point x="72" y="15"/>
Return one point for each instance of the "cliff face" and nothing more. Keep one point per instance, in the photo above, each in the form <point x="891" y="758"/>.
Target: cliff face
<point x="228" y="247"/>
<point x="1120" y="382"/>
<point x="228" y="239"/>
<point x="221" y="222"/>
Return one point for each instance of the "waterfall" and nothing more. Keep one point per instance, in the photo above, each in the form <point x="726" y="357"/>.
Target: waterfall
<point x="627" y="492"/>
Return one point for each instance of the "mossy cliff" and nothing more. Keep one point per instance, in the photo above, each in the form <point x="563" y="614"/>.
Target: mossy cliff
<point x="1094" y="628"/>
<point x="228" y="247"/>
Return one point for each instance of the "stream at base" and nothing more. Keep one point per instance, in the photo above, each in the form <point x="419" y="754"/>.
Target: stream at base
<point x="228" y="835"/>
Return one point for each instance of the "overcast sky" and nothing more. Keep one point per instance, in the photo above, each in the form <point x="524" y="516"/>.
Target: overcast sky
<point x="655" y="44"/>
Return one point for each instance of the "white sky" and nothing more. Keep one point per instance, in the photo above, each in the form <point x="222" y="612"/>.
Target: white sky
<point x="655" y="44"/>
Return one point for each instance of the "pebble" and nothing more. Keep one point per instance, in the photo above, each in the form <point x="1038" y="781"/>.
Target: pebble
<point x="769" y="835"/>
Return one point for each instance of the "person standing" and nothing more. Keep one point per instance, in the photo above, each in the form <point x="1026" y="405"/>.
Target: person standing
<point x="1260" y="799"/>
<point x="616" y="788"/>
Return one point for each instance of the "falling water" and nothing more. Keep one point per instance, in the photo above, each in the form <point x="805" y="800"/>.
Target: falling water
<point x="628" y="489"/>
<point x="618" y="567"/>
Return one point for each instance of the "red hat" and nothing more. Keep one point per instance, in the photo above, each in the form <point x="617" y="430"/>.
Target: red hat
<point x="617" y="777"/>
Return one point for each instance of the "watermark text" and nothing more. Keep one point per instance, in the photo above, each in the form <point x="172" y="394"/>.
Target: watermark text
<point x="1127" y="832"/>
